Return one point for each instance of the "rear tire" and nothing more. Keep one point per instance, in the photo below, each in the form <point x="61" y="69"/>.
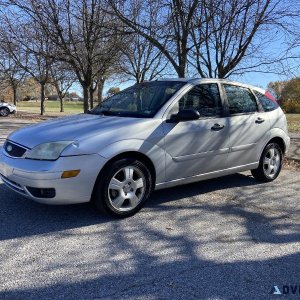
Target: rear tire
<point x="123" y="188"/>
<point x="4" y="112"/>
<point x="270" y="163"/>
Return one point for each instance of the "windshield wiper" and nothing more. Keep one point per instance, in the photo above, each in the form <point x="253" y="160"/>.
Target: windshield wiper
<point x="108" y="113"/>
<point x="101" y="112"/>
<point x="120" y="114"/>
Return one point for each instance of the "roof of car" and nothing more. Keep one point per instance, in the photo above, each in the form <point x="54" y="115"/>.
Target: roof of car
<point x="198" y="80"/>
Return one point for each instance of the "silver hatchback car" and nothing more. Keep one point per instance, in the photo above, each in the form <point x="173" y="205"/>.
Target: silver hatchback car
<point x="150" y="136"/>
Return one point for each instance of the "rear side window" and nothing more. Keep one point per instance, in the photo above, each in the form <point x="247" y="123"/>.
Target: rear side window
<point x="268" y="103"/>
<point x="240" y="99"/>
<point x="205" y="98"/>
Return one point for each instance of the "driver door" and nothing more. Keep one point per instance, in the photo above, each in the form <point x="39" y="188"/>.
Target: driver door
<point x="198" y="146"/>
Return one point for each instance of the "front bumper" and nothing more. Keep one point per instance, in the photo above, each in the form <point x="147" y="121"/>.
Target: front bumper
<point x="25" y="175"/>
<point x="12" y="110"/>
<point x="287" y="142"/>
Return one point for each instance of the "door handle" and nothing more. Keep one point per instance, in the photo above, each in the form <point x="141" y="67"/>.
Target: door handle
<point x="217" y="127"/>
<point x="259" y="120"/>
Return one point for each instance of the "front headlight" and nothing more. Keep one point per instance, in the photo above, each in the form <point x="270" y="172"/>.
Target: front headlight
<point x="48" y="151"/>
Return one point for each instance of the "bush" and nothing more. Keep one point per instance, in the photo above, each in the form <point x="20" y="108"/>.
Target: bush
<point x="291" y="106"/>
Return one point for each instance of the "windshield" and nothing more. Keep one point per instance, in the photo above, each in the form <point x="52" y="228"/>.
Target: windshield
<point x="141" y="100"/>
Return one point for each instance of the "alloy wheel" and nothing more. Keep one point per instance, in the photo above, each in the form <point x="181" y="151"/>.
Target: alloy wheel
<point x="4" y="112"/>
<point x="271" y="163"/>
<point x="126" y="188"/>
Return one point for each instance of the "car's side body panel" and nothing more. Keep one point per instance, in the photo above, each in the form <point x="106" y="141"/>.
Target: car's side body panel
<point x="274" y="133"/>
<point x="152" y="148"/>
<point x="194" y="148"/>
<point x="205" y="176"/>
<point x="245" y="138"/>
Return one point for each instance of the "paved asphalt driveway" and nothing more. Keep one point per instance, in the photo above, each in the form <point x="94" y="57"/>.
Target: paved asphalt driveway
<point x="227" y="238"/>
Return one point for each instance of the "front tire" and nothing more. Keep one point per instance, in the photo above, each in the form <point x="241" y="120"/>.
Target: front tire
<point x="270" y="163"/>
<point x="4" y="112"/>
<point x="123" y="187"/>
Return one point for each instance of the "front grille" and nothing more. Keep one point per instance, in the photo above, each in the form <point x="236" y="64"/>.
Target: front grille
<point x="13" y="149"/>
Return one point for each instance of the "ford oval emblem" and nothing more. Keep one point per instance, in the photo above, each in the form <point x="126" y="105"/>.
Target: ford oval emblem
<point x="8" y="148"/>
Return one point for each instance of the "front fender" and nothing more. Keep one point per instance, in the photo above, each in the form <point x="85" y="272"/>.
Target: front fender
<point x="154" y="152"/>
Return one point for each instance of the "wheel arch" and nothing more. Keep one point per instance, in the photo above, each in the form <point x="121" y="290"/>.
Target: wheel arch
<point x="276" y="135"/>
<point x="280" y="141"/>
<point x="128" y="154"/>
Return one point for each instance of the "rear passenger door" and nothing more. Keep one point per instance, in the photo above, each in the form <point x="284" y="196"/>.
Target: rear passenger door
<point x="247" y="126"/>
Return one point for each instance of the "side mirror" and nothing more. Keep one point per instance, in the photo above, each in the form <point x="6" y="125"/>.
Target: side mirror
<point x="185" y="115"/>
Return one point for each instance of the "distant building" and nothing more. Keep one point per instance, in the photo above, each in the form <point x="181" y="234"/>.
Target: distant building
<point x="53" y="98"/>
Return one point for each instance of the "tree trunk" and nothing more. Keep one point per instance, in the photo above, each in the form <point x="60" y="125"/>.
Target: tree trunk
<point x="91" y="97"/>
<point x="15" y="94"/>
<point x="42" y="98"/>
<point x="181" y="70"/>
<point x="85" y="99"/>
<point x="61" y="103"/>
<point x="100" y="89"/>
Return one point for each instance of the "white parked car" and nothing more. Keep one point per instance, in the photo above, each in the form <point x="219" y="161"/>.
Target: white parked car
<point x="150" y="136"/>
<point x="6" y="109"/>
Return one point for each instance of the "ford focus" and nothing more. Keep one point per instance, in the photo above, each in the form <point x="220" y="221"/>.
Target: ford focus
<point x="150" y="136"/>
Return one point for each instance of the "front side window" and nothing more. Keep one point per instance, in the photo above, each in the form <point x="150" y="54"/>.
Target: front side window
<point x="268" y="103"/>
<point x="240" y="99"/>
<point x="140" y="100"/>
<point x="204" y="97"/>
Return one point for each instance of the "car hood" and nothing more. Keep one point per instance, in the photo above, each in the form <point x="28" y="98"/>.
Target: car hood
<point x="81" y="128"/>
<point x="6" y="104"/>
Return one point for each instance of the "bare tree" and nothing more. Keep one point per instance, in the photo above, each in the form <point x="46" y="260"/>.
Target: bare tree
<point x="10" y="72"/>
<point x="142" y="61"/>
<point x="24" y="40"/>
<point x="62" y="78"/>
<point x="107" y="66"/>
<point x="165" y="24"/>
<point x="241" y="34"/>
<point x="218" y="38"/>
<point x="83" y="35"/>
<point x="215" y="38"/>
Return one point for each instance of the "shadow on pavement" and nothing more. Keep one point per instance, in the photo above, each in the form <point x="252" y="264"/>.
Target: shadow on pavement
<point x="20" y="216"/>
<point x="190" y="277"/>
<point x="150" y="272"/>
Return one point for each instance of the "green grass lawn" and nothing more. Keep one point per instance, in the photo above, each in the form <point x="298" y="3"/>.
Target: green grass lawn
<point x="293" y="122"/>
<point x="51" y="107"/>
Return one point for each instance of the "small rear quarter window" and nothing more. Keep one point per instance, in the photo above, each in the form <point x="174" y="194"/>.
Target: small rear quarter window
<point x="267" y="101"/>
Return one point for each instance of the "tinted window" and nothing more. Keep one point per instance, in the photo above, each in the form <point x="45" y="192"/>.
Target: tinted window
<point x="140" y="100"/>
<point x="267" y="103"/>
<point x="240" y="99"/>
<point x="205" y="98"/>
